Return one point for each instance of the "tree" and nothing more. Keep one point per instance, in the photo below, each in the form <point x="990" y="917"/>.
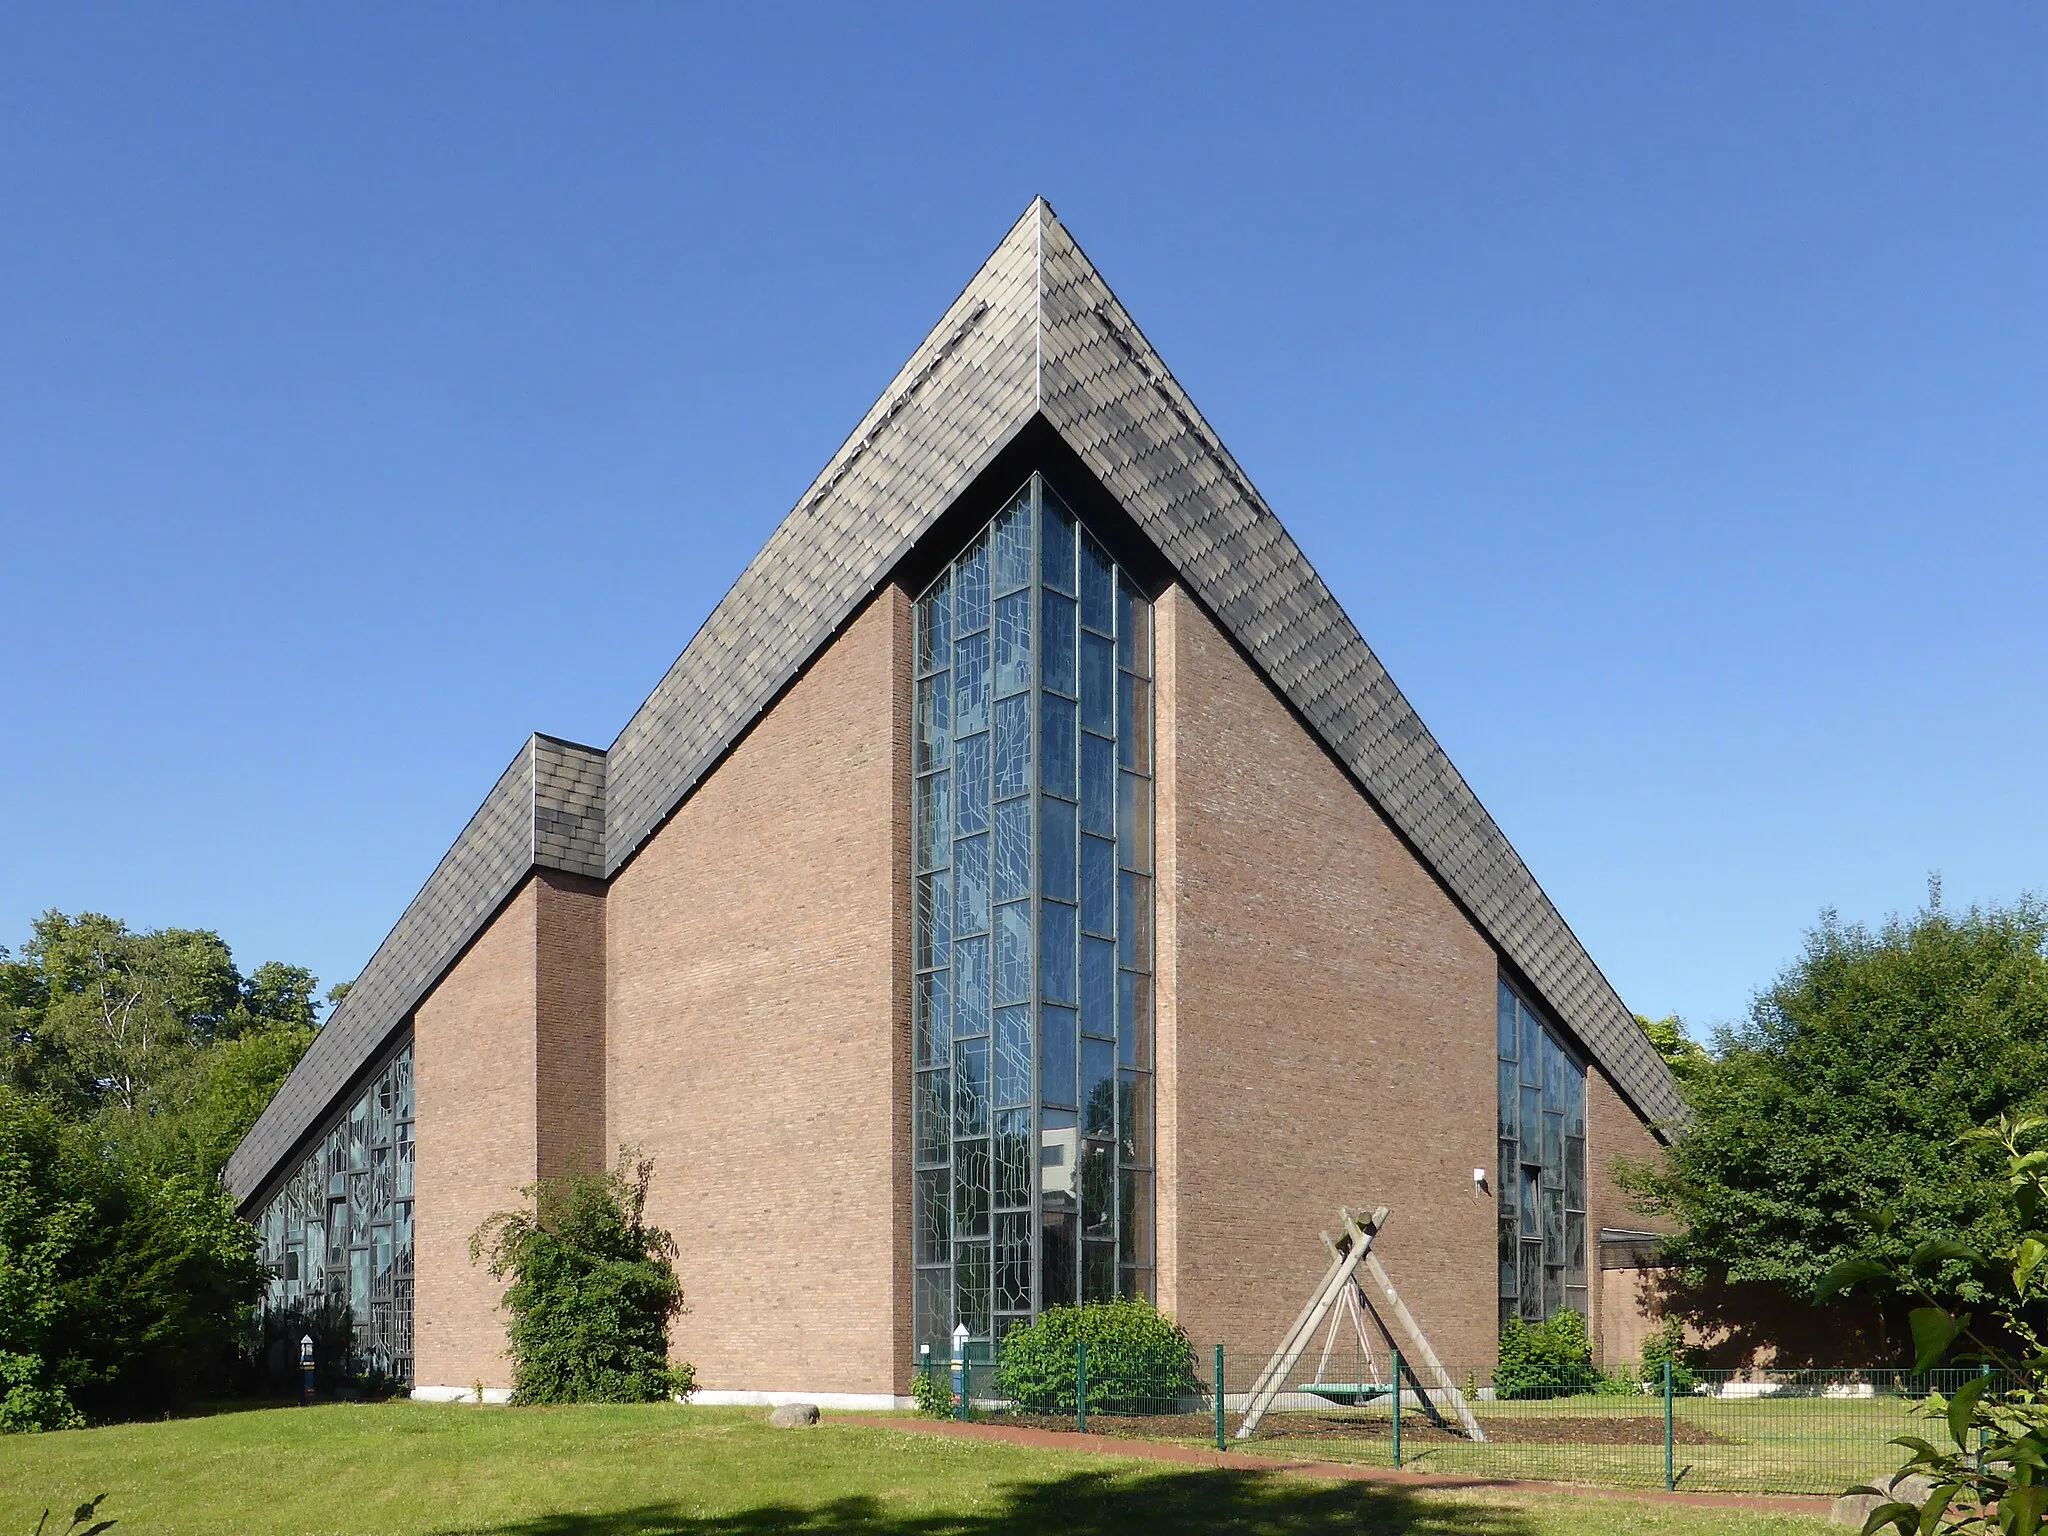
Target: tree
<point x="1847" y="1088"/>
<point x="1685" y="1056"/>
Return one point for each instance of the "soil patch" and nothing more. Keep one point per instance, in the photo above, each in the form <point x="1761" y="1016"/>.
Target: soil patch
<point x="1544" y="1429"/>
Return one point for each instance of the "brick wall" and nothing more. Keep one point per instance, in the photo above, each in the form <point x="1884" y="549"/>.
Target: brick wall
<point x="758" y="1001"/>
<point x="569" y="1026"/>
<point x="1328" y="1033"/>
<point x="1623" y="1299"/>
<point x="473" y="1064"/>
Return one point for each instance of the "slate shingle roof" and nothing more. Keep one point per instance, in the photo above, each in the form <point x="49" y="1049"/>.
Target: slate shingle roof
<point x="1037" y="333"/>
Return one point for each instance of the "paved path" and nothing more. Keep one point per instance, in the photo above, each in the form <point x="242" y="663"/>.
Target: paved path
<point x="1197" y="1456"/>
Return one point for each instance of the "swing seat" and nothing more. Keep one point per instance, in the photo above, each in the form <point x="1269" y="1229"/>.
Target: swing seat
<point x="1346" y="1394"/>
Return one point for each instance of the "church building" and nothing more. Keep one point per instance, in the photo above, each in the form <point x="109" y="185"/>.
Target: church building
<point x="1026" y="887"/>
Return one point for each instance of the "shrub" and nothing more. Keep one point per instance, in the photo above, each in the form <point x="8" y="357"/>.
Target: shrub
<point x="1553" y="1359"/>
<point x="1137" y="1358"/>
<point x="931" y="1392"/>
<point x="1668" y="1343"/>
<point x="593" y="1290"/>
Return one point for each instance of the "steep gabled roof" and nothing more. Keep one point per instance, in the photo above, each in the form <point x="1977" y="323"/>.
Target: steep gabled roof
<point x="1036" y="336"/>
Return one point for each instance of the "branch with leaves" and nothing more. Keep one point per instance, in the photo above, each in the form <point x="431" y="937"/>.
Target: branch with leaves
<point x="1993" y="1475"/>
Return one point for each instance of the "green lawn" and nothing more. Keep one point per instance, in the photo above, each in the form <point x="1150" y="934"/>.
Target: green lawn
<point x="400" y="1468"/>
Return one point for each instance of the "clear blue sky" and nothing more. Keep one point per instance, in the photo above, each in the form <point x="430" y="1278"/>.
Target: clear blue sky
<point x="1664" y="391"/>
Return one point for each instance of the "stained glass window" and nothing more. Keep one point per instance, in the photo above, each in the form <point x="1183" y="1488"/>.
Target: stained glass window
<point x="1542" y="1167"/>
<point x="339" y="1230"/>
<point x="1033" y="927"/>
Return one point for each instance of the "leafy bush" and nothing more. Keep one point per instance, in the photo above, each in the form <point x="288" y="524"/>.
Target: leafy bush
<point x="593" y="1290"/>
<point x="1137" y="1358"/>
<point x="1553" y="1359"/>
<point x="932" y="1392"/>
<point x="1668" y="1343"/>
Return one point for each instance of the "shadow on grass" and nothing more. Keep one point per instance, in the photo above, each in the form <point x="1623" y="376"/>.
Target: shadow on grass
<point x="1082" y="1504"/>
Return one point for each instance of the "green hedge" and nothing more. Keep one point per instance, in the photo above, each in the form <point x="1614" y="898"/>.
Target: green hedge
<point x="1553" y="1359"/>
<point x="1138" y="1359"/>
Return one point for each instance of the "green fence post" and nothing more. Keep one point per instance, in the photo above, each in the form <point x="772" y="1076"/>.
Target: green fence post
<point x="1219" y="1397"/>
<point x="1081" y="1387"/>
<point x="1397" y="1408"/>
<point x="1669" y="1481"/>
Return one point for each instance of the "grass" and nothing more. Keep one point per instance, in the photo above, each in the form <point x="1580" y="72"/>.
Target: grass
<point x="405" y="1469"/>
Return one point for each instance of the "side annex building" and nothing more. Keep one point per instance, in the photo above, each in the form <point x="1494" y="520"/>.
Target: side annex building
<point x="1027" y="886"/>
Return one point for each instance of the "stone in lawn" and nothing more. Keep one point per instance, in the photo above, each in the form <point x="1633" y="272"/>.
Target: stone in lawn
<point x="794" y="1416"/>
<point x="1853" y="1509"/>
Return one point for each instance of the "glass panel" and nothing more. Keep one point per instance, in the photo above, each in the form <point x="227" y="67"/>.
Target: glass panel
<point x="933" y="717"/>
<point x="970" y="1286"/>
<point x="934" y="920"/>
<point x="1098" y="1088"/>
<point x="1531" y="1200"/>
<point x="1013" y="1056"/>
<point x="1057" y="1258"/>
<point x="970" y="1089"/>
<point x="1013" y="952"/>
<point x="1098" y="987"/>
<point x="1056" y="543"/>
<point x="1553" y="1289"/>
<point x="1575" y="1299"/>
<point x="1553" y="1074"/>
<point x="1574" y="1098"/>
<point x="934" y="1233"/>
<point x="1134" y="722"/>
<point x="1098" y="1190"/>
<point x="970" y="985"/>
<point x="1056" y="875"/>
<point x="1134" y="1207"/>
<point x="970" y="589"/>
<point x="1507" y="1023"/>
<point x="1134" y="1018"/>
<point x="1098" y="685"/>
<point x="970" y="783"/>
<point x="1013" y="850"/>
<point x="1575" y="1172"/>
<point x="1098" y="1271"/>
<point x="1507" y="1177"/>
<point x="1506" y="1247"/>
<point x="1013" y="643"/>
<point x="1532" y="1050"/>
<point x="970" y="885"/>
<point x="1013" y="746"/>
<point x="933" y="1305"/>
<point x="1133" y="628"/>
<point x="1553" y="1226"/>
<point x="1013" y="1157"/>
<point x="934" y="629"/>
<point x="1134" y="1117"/>
<point x="1507" y="1098"/>
<point x="970" y="1189"/>
<point x="1056" y="978"/>
<point x="1134" y="921"/>
<point x="1532" y="1282"/>
<point x="1011" y="544"/>
<point x="1098" y="885"/>
<point x="970" y="684"/>
<point x="1134" y="821"/>
<point x="1553" y="1149"/>
<point x="1575" y="1245"/>
<point x="1098" y="611"/>
<point x="1013" y="1261"/>
<point x="934" y="1023"/>
<point x="1056" y="1060"/>
<point x="1098" y="785"/>
<point x="1057" y="642"/>
<point x="933" y="816"/>
<point x="1532" y="1113"/>
<point x="1056" y="745"/>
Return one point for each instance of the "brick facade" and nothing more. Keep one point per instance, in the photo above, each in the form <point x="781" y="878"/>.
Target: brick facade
<point x="1328" y="1033"/>
<point x="758" y="1008"/>
<point x="473" y="1067"/>
<point x="1623" y="1299"/>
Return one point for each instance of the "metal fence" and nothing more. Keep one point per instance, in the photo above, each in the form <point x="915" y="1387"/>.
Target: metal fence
<point x="1809" y="1431"/>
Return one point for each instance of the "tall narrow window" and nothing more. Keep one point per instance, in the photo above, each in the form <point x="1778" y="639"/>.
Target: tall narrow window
<point x="1032" y="810"/>
<point x="1542" y="1190"/>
